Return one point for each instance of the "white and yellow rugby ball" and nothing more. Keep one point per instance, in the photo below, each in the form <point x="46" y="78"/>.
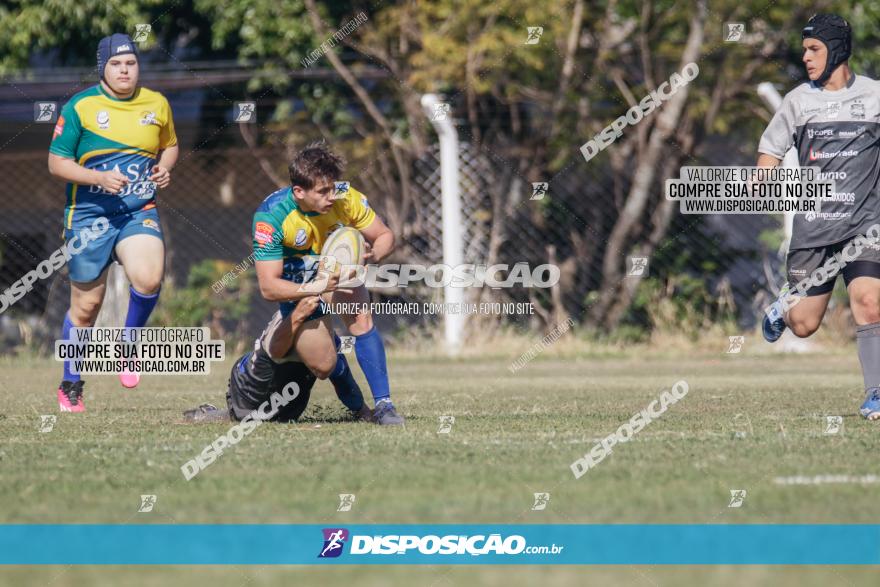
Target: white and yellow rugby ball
<point x="345" y="247"/>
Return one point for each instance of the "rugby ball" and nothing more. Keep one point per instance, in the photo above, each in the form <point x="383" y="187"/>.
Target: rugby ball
<point x="344" y="247"/>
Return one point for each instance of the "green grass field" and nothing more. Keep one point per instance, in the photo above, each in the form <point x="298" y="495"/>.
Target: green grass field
<point x="513" y="435"/>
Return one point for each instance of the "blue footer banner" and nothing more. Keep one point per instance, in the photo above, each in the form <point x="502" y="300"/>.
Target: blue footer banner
<point x="482" y="544"/>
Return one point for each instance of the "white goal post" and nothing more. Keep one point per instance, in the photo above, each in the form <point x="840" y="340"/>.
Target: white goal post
<point x="451" y="226"/>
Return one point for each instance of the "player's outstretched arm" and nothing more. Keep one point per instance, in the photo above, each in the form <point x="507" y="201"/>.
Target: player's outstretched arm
<point x="282" y="338"/>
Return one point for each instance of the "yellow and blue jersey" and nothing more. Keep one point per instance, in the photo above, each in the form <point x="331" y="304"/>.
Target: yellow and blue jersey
<point x="282" y="231"/>
<point x="101" y="132"/>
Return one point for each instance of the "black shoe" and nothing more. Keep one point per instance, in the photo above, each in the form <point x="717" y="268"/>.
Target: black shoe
<point x="384" y="414"/>
<point x="206" y="413"/>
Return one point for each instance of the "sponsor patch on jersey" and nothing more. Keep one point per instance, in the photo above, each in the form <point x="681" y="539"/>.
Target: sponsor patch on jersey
<point x="300" y="238"/>
<point x="152" y="224"/>
<point x="847" y="198"/>
<point x="59" y="128"/>
<point x="850" y="134"/>
<point x="821" y="133"/>
<point x="365" y="202"/>
<point x="816" y="155"/>
<point x="832" y="109"/>
<point x="103" y="119"/>
<point x="263" y="233"/>
<point x="148" y="118"/>
<point x="857" y="110"/>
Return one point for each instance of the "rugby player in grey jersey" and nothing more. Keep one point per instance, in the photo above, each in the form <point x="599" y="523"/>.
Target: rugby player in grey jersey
<point x="833" y="121"/>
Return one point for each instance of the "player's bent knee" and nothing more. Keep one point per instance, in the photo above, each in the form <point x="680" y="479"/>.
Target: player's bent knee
<point x="866" y="307"/>
<point x="147" y="287"/>
<point x="85" y="312"/>
<point x="277" y="352"/>
<point x="868" y="315"/>
<point x="804" y="327"/>
<point x="323" y="371"/>
<point x="146" y="283"/>
<point x="323" y="368"/>
<point x="360" y="324"/>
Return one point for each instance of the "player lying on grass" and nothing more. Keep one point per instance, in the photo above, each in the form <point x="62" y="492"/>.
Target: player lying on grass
<point x="114" y="144"/>
<point x="256" y="375"/>
<point x="289" y="229"/>
<point x="832" y="121"/>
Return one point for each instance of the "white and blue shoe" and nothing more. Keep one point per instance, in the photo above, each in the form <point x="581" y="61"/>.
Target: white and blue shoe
<point x="871" y="408"/>
<point x="773" y="324"/>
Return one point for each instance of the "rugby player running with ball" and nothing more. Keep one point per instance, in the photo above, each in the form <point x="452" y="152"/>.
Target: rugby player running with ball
<point x="289" y="230"/>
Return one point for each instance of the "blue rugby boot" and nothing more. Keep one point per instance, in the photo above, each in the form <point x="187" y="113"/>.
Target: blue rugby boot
<point x="773" y="324"/>
<point x="870" y="410"/>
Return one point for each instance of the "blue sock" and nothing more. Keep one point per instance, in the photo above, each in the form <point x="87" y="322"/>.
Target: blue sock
<point x="140" y="306"/>
<point x="347" y="389"/>
<point x="371" y="355"/>
<point x="65" y="335"/>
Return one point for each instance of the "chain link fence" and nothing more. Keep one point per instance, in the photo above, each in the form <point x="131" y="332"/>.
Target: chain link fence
<point x="714" y="262"/>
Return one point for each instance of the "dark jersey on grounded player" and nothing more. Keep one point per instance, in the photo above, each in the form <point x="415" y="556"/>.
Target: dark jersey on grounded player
<point x="255" y="377"/>
<point x="838" y="132"/>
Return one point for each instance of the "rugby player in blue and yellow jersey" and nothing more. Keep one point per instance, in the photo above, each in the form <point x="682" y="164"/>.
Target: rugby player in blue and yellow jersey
<point x="290" y="228"/>
<point x="114" y="144"/>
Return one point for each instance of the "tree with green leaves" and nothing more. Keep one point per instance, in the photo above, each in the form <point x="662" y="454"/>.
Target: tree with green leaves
<point x="525" y="106"/>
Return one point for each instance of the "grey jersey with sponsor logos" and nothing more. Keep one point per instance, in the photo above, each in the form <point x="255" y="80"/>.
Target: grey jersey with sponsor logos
<point x="256" y="376"/>
<point x="838" y="132"/>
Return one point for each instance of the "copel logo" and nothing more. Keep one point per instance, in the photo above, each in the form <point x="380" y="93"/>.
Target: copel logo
<point x="334" y="540"/>
<point x="824" y="132"/>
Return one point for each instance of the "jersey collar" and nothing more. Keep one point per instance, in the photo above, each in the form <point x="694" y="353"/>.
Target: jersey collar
<point x="849" y="84"/>
<point x="114" y="98"/>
